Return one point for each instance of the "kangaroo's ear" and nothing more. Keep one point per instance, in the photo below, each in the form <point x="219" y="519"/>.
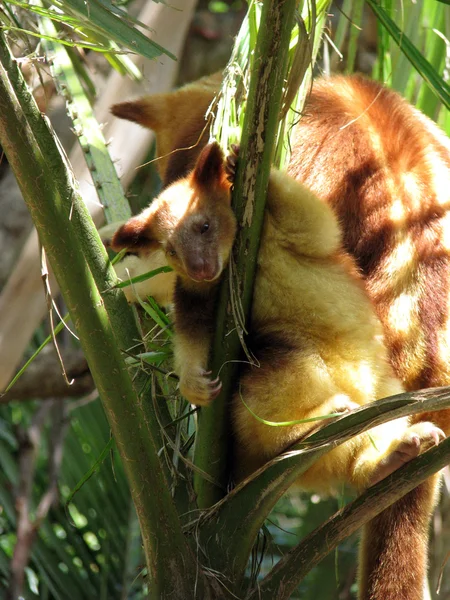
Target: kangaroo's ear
<point x="135" y="234"/>
<point x="148" y="111"/>
<point x="209" y="170"/>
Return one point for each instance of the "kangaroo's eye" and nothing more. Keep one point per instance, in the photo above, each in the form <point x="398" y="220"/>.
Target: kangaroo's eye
<point x="171" y="252"/>
<point x="204" y="227"/>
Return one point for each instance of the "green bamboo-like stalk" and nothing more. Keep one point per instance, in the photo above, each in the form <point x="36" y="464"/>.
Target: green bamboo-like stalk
<point x="256" y="153"/>
<point x="304" y="48"/>
<point x="427" y="101"/>
<point x="355" y="30"/>
<point x="86" y="127"/>
<point x="404" y="77"/>
<point x="296" y="564"/>
<point x="230" y="529"/>
<point x="103" y="321"/>
<point x="343" y="24"/>
<point x="425" y="69"/>
<point x="383" y="65"/>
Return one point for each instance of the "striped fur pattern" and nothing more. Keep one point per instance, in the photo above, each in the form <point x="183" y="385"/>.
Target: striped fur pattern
<point x="386" y="173"/>
<point x="319" y="343"/>
<point x="385" y="170"/>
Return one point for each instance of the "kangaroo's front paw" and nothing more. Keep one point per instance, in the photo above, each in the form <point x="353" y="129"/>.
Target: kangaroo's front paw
<point x="415" y="440"/>
<point x="231" y="162"/>
<point x="198" y="388"/>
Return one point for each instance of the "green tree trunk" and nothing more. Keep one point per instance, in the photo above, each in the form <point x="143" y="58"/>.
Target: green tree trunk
<point x="104" y="323"/>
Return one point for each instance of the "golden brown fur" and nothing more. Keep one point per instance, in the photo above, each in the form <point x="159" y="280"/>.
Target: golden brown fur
<point x="319" y="344"/>
<point x="385" y="170"/>
<point x="394" y="563"/>
<point x="388" y="182"/>
<point x="193" y="224"/>
<point x="179" y="120"/>
<point x="333" y="354"/>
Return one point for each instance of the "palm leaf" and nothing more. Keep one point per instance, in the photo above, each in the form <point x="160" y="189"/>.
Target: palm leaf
<point x="95" y="20"/>
<point x="435" y="82"/>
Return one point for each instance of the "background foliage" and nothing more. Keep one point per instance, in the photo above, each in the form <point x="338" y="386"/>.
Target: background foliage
<point x="88" y="544"/>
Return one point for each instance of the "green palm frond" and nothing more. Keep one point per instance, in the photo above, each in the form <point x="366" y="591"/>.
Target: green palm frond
<point x="98" y="25"/>
<point x="83" y="549"/>
<point x="421" y="65"/>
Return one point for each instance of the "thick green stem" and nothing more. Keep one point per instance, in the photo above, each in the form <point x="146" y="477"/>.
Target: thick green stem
<point x="86" y="127"/>
<point x="252" y="177"/>
<point x="102" y="320"/>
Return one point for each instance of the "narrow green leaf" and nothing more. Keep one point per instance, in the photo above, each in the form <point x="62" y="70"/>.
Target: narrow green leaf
<point x="64" y="42"/>
<point x="143" y="277"/>
<point x="47" y="340"/>
<point x="127" y="16"/>
<point x="155" y="313"/>
<point x="87" y="129"/>
<point x="355" y="31"/>
<point x="124" y="65"/>
<point x="40" y="10"/>
<point x="93" y="20"/>
<point x="404" y="76"/>
<point x="149" y="357"/>
<point x="435" y="49"/>
<point x="82" y="73"/>
<point x="95" y="467"/>
<point x="287" y="423"/>
<point x="420" y="63"/>
<point x="344" y="22"/>
<point x="116" y="28"/>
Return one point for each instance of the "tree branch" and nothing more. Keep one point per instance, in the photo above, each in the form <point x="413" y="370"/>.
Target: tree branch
<point x="105" y="325"/>
<point x="294" y="566"/>
<point x="229" y="530"/>
<point x="42" y="378"/>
